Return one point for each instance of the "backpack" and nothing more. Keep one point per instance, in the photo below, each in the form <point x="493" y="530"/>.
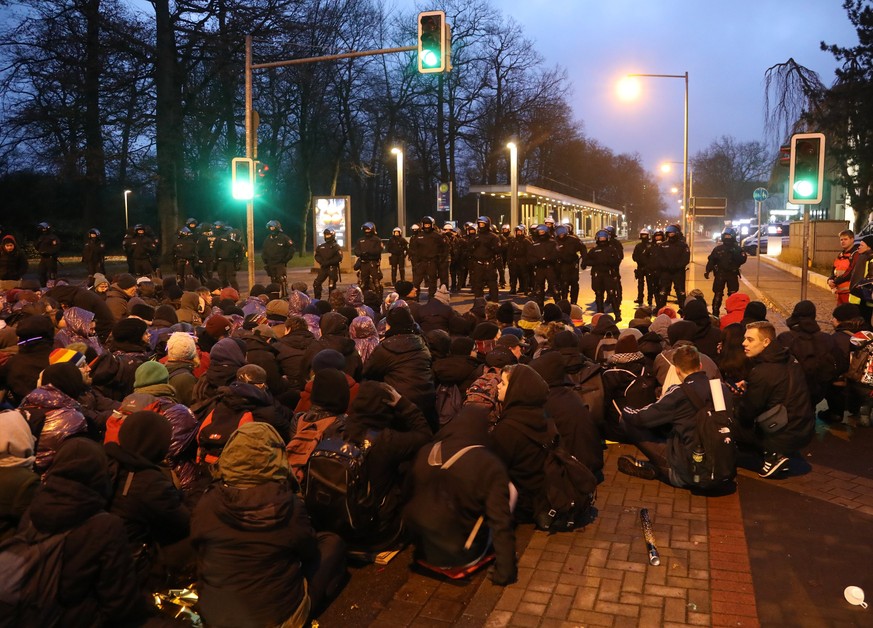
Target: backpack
<point x="134" y="402"/>
<point x="642" y="391"/>
<point x="818" y="364"/>
<point x="213" y="435"/>
<point x="305" y="440"/>
<point x="568" y="488"/>
<point x="449" y="402"/>
<point x="31" y="563"/>
<point x="337" y="494"/>
<point x="861" y="364"/>
<point x="605" y="348"/>
<point x="588" y="384"/>
<point x="714" y="455"/>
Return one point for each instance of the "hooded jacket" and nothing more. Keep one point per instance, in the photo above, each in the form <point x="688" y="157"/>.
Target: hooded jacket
<point x="804" y="332"/>
<point x="335" y="335"/>
<point x="736" y="308"/>
<point x="262" y="352"/>
<point x="13" y="264"/>
<point x="225" y="358"/>
<point x="75" y="296"/>
<point x="240" y="397"/>
<point x="78" y="324"/>
<point x="523" y="403"/>
<point x="97" y="583"/>
<point x="251" y="534"/>
<point x="363" y="331"/>
<point x="117" y="300"/>
<point x="775" y="377"/>
<point x="404" y="362"/>
<point x="53" y="417"/>
<point x="579" y="433"/>
<point x="477" y="484"/>
<point x="291" y="350"/>
<point x="588" y="343"/>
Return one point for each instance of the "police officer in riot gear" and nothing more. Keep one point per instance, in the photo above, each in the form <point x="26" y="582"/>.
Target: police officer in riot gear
<point x="428" y="248"/>
<point x="94" y="254"/>
<point x="228" y="255"/>
<point x="671" y="257"/>
<point x="484" y="250"/>
<point x="724" y="262"/>
<point x="205" y="253"/>
<point x="446" y="260"/>
<point x="464" y="258"/>
<point x="517" y="254"/>
<point x="397" y="248"/>
<point x="543" y="257"/>
<point x="184" y="254"/>
<point x="642" y="256"/>
<point x="329" y="256"/>
<point x="570" y="251"/>
<point x="368" y="250"/>
<point x="550" y="225"/>
<point x="142" y="247"/>
<point x="277" y="251"/>
<point x="458" y="263"/>
<point x="603" y="262"/>
<point x="48" y="245"/>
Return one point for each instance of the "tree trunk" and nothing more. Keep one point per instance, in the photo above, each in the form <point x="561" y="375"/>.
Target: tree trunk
<point x="168" y="132"/>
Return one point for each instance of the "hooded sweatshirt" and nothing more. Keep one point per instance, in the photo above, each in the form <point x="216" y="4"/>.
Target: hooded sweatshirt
<point x="251" y="534"/>
<point x="78" y="324"/>
<point x="18" y="482"/>
<point x="736" y="309"/>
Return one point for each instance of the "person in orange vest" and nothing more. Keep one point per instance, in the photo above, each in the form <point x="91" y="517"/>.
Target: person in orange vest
<point x="840" y="278"/>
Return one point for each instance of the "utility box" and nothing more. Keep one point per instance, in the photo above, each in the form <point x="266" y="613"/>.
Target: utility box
<point x="824" y="239"/>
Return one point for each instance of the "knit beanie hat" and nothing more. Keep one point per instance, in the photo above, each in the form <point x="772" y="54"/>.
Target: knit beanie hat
<point x="669" y="311"/>
<point x="166" y="313"/>
<point x="512" y="331"/>
<point x="804" y="309"/>
<point x="400" y="318"/>
<point x="328" y="359"/>
<point x="755" y="311"/>
<point x="181" y="346"/>
<point x="499" y="357"/>
<point x="228" y="351"/>
<point x="565" y="339"/>
<point x="462" y="345"/>
<point x="34" y="327"/>
<point x="66" y="377"/>
<point x="485" y="331"/>
<point x="143" y="311"/>
<point x="403" y="288"/>
<point x="149" y="374"/>
<point x="229" y="293"/>
<point x="868" y="240"/>
<point x="695" y="310"/>
<point x="213" y="285"/>
<point x="330" y="390"/>
<point x="100" y="278"/>
<point x="846" y="312"/>
<point x="147" y="434"/>
<point x="531" y="312"/>
<point x="506" y="313"/>
<point x="217" y="326"/>
<point x="125" y="281"/>
<point x="66" y="354"/>
<point x="129" y="330"/>
<point x="552" y="312"/>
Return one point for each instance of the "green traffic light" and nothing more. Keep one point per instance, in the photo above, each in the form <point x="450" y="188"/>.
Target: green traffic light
<point x="430" y="59"/>
<point x="804" y="188"/>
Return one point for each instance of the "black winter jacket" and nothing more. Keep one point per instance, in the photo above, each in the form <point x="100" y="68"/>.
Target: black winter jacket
<point x="404" y="362"/>
<point x="291" y="349"/>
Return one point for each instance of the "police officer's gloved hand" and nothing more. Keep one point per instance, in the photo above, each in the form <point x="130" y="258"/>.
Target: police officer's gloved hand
<point x="706" y="275"/>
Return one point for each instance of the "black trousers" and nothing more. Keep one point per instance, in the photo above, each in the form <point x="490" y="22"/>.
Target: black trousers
<point x="671" y="279"/>
<point x="428" y="271"/>
<point x="519" y="276"/>
<point x="371" y="276"/>
<point x="331" y="273"/>
<point x="484" y="273"/>
<point x="227" y="273"/>
<point x="543" y="273"/>
<point x="568" y="281"/>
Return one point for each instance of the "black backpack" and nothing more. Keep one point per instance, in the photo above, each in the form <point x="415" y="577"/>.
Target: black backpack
<point x="31" y="563"/>
<point x="337" y="494"/>
<point x="449" y="402"/>
<point x="569" y="487"/>
<point x="818" y="364"/>
<point x="713" y="461"/>
<point x="642" y="391"/>
<point x="588" y="384"/>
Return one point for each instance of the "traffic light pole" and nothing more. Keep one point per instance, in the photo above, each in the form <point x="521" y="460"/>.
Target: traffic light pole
<point x="804" y="268"/>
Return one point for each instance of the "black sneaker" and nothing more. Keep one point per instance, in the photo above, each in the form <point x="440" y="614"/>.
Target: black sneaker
<point x="637" y="468"/>
<point x="773" y="463"/>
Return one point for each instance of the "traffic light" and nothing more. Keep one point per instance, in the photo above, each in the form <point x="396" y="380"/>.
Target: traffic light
<point x="242" y="180"/>
<point x="263" y="170"/>
<point x="432" y="42"/>
<point x="806" y="168"/>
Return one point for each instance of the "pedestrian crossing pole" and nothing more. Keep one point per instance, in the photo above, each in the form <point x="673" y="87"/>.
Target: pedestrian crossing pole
<point x="760" y="195"/>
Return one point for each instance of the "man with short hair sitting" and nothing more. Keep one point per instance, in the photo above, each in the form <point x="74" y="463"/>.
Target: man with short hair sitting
<point x="669" y="456"/>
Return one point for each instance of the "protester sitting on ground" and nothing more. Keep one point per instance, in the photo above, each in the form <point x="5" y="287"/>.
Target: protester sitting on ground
<point x="291" y="349"/>
<point x="397" y="429"/>
<point x="624" y="367"/>
<point x="259" y="560"/>
<point x="679" y="333"/>
<point x="335" y="335"/>
<point x="113" y="372"/>
<point x="35" y="343"/>
<point x="461" y="504"/>
<point x="225" y="359"/>
<point x="707" y="336"/>
<point x="841" y="394"/>
<point x="579" y="434"/>
<point x="143" y="493"/>
<point x="603" y="327"/>
<point x="18" y="481"/>
<point x="119" y="294"/>
<point x="732" y="362"/>
<point x="77" y="325"/>
<point x="774" y="379"/>
<point x="327" y="359"/>
<point x="182" y="359"/>
<point x="755" y="312"/>
<point x="97" y="583"/>
<point x="363" y="331"/>
<point x="669" y="458"/>
<point x="523" y="394"/>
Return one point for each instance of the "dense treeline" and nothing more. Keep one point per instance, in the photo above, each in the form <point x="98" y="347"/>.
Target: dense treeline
<point x="100" y="96"/>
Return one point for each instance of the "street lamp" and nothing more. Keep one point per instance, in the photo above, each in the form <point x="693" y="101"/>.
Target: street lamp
<point x="126" y="192"/>
<point x="629" y="89"/>
<point x="401" y="192"/>
<point x="513" y="183"/>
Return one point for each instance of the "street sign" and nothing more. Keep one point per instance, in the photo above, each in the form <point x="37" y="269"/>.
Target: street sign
<point x="760" y="194"/>
<point x="444" y="197"/>
<point x="709" y="212"/>
<point x="708" y="202"/>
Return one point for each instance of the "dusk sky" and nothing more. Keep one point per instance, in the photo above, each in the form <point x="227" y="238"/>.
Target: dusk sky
<point x="725" y="47"/>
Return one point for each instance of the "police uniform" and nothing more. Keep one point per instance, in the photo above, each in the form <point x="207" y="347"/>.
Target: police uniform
<point x="724" y="262"/>
<point x="671" y="257"/>
<point x="277" y="251"/>
<point x="368" y="250"/>
<point x="228" y="258"/>
<point x="397" y="248"/>
<point x="329" y="255"/>
<point x="484" y="251"/>
<point x="645" y="278"/>
<point x="184" y="254"/>
<point x="603" y="261"/>
<point x="142" y="247"/>
<point x="428" y="248"/>
<point x="517" y="255"/>
<point x="543" y="255"/>
<point x="570" y="251"/>
<point x="94" y="254"/>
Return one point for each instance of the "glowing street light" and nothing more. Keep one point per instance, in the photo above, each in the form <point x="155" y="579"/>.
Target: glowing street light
<point x="401" y="192"/>
<point x="513" y="183"/>
<point x="126" y="193"/>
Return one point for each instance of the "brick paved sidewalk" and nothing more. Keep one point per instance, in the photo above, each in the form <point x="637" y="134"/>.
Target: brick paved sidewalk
<point x="600" y="576"/>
